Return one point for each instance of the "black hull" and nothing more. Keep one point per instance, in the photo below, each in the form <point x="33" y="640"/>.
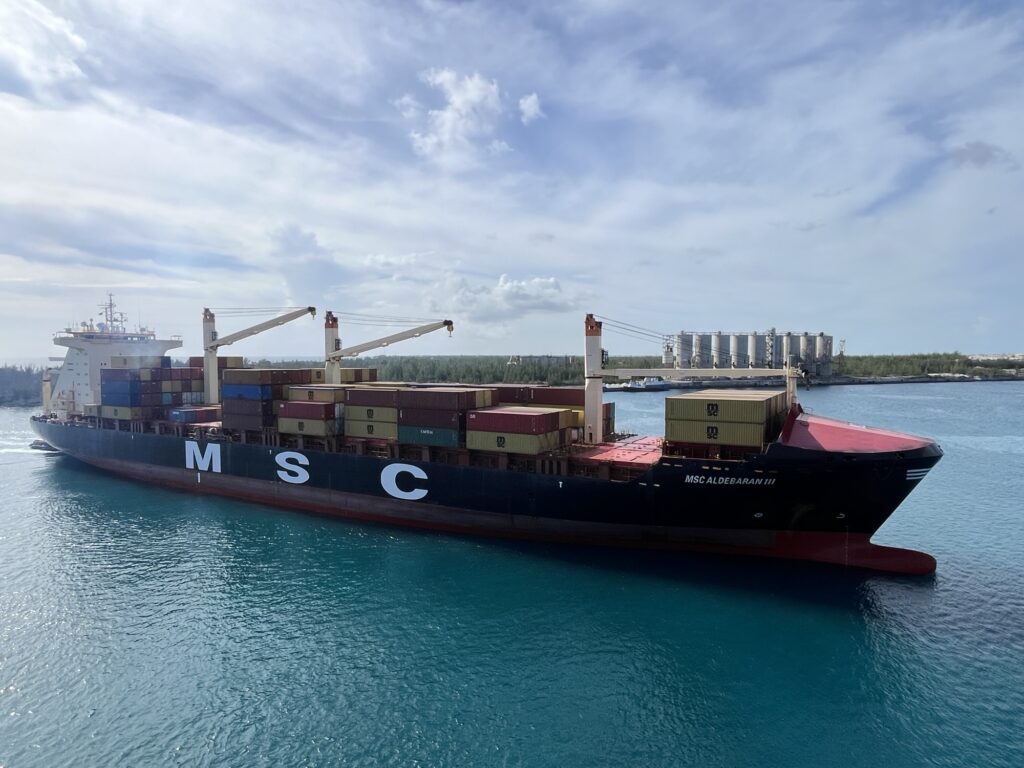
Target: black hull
<point x="788" y="502"/>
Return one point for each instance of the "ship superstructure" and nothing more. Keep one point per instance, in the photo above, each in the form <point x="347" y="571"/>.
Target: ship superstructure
<point x="91" y="346"/>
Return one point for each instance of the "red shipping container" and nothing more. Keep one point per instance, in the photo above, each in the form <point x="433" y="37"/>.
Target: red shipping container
<point x="441" y="398"/>
<point x="511" y="393"/>
<point x="383" y="396"/>
<point x="514" y="419"/>
<point x="571" y="396"/>
<point x="195" y="362"/>
<point x="298" y="409"/>
<point x="431" y="417"/>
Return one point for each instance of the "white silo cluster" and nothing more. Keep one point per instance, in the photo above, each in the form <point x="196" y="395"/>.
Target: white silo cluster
<point x="767" y="349"/>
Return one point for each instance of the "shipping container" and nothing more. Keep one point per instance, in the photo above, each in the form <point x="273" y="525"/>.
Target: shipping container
<point x="357" y="375"/>
<point x="119" y="412"/>
<point x="435" y="436"/>
<point x="715" y="433"/>
<point x="431" y="417"/>
<point x="311" y="427"/>
<point x="513" y="442"/>
<point x="240" y="407"/>
<point x="319" y="393"/>
<point x="371" y="413"/>
<point x="571" y="396"/>
<point x="118" y="374"/>
<point x="93" y="409"/>
<point x="201" y="415"/>
<point x="510" y="393"/>
<point x="738" y="406"/>
<point x="383" y="396"/>
<point x="246" y="391"/>
<point x="516" y="418"/>
<point x="297" y="409"/>
<point x="441" y="398"/>
<point x="247" y="375"/>
<point x="382" y="430"/>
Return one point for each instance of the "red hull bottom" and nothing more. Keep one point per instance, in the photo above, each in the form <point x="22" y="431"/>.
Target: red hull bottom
<point x="852" y="550"/>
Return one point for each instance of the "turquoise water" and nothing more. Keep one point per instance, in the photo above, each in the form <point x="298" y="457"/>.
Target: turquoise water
<point x="142" y="627"/>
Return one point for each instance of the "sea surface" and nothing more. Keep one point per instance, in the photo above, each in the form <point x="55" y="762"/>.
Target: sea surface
<point x="143" y="627"/>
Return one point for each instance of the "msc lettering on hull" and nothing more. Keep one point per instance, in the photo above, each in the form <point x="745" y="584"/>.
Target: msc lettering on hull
<point x="293" y="469"/>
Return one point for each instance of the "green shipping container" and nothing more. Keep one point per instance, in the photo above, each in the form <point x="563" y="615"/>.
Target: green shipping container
<point x="381" y="430"/>
<point x="371" y="413"/>
<point x="510" y="442"/>
<point x="739" y="406"/>
<point x="311" y="427"/>
<point x="715" y="433"/>
<point x="442" y="438"/>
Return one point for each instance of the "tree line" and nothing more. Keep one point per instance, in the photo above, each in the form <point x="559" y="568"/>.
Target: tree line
<point x="20" y="385"/>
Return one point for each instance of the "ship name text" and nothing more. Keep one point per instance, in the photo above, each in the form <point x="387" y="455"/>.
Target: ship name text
<point x="713" y="480"/>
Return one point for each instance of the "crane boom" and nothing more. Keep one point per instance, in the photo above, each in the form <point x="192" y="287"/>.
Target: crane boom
<point x="412" y="333"/>
<point x="333" y="351"/>
<point x="212" y="342"/>
<point x="231" y="338"/>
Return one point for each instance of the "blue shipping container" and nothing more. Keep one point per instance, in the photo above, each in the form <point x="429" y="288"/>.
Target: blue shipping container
<point x="246" y="391"/>
<point x="120" y="387"/>
<point x="124" y="400"/>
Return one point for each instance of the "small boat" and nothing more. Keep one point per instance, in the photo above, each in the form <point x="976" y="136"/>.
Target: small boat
<point x="646" y="384"/>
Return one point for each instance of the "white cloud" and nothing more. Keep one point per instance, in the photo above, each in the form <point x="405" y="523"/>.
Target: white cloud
<point x="529" y="109"/>
<point x="508" y="299"/>
<point x="472" y="107"/>
<point x="40" y="49"/>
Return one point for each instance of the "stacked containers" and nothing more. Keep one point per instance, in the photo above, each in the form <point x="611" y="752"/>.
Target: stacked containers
<point x="436" y="416"/>
<point x="516" y="429"/>
<point x="317" y="410"/>
<point x="372" y="412"/>
<point x="574" y="399"/>
<point x="248" y="395"/>
<point x="740" y="418"/>
<point x="142" y="387"/>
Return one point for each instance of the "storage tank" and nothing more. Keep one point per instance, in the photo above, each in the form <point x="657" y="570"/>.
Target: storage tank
<point x="819" y="347"/>
<point x="667" y="353"/>
<point x="787" y="347"/>
<point x="684" y="349"/>
<point x="735" y="356"/>
<point x="806" y="348"/>
<point x="716" y="349"/>
<point x="752" y="355"/>
<point x="698" y="350"/>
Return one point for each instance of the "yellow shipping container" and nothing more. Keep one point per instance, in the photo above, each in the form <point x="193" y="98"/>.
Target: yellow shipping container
<point x="323" y="393"/>
<point x="91" y="410"/>
<point x="371" y="413"/>
<point x="510" y="442"/>
<point x="382" y="430"/>
<point x="120" y="412"/>
<point x="311" y="427"/>
<point x="738" y="406"/>
<point x="715" y="433"/>
<point x="565" y="415"/>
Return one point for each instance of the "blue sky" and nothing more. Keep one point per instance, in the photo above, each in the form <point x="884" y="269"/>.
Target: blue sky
<point x="851" y="167"/>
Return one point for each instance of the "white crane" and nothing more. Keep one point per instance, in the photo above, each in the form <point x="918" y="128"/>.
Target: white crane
<point x="333" y="351"/>
<point x="594" y="374"/>
<point x="212" y="342"/>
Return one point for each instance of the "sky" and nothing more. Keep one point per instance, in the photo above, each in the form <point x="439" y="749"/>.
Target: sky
<point x="846" y="167"/>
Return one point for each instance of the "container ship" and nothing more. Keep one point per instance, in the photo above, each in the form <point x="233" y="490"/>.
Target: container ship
<point x="742" y="472"/>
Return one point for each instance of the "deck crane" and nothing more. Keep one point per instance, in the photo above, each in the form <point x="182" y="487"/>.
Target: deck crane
<point x="333" y="351"/>
<point x="594" y="374"/>
<point x="212" y="342"/>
